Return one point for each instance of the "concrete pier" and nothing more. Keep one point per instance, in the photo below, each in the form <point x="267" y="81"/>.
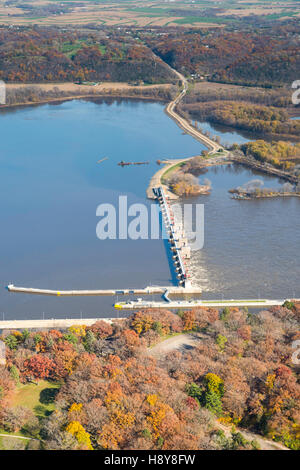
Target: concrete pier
<point x="108" y="292"/>
<point x="67" y="293"/>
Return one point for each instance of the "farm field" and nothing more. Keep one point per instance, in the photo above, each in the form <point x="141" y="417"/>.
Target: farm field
<point x="202" y="13"/>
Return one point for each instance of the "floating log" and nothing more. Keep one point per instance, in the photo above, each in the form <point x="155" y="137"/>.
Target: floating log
<point x="122" y="163"/>
<point x="102" y="160"/>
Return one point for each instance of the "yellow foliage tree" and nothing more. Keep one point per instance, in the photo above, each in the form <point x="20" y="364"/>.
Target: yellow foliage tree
<point x="78" y="330"/>
<point x="78" y="431"/>
<point x="141" y="323"/>
<point x="214" y="382"/>
<point x="157" y="414"/>
<point x="75" y="407"/>
<point x="152" y="399"/>
<point x="270" y="381"/>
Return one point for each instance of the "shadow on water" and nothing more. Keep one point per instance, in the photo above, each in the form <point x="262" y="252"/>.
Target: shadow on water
<point x="168" y="250"/>
<point x="170" y="262"/>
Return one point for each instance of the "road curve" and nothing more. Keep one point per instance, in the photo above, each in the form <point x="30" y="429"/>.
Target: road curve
<point x="183" y="123"/>
<point x="155" y="181"/>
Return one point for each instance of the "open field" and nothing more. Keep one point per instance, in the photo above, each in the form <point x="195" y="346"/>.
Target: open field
<point x="86" y="89"/>
<point x="38" y="398"/>
<point x="131" y="13"/>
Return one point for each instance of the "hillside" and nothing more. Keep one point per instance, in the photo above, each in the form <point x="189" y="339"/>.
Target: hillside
<point x="118" y="392"/>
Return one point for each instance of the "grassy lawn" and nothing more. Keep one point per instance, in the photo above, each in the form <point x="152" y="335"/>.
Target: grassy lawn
<point x="9" y="446"/>
<point x="169" y="170"/>
<point x="217" y="154"/>
<point x="38" y="398"/>
<point x="19" y="433"/>
<point x="70" y="49"/>
<point x="10" y="443"/>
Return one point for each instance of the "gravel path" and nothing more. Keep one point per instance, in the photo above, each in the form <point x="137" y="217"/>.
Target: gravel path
<point x="184" y="342"/>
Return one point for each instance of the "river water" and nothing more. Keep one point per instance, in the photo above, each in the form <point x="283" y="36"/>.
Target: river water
<point x="51" y="185"/>
<point x="251" y="247"/>
<point x="227" y="136"/>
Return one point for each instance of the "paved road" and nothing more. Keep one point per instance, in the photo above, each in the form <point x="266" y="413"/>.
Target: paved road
<point x="19" y="437"/>
<point x="155" y="181"/>
<point x="183" y="123"/>
<point x="176" y="304"/>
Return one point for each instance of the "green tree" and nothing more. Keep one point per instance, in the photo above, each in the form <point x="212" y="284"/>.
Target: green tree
<point x="213" y="393"/>
<point x="157" y="326"/>
<point x="212" y="401"/>
<point x="37" y="339"/>
<point x="224" y="315"/>
<point x="11" y="342"/>
<point x="193" y="390"/>
<point x="238" y="440"/>
<point x="221" y="341"/>
<point x="146" y="433"/>
<point x="71" y="338"/>
<point x="89" y="341"/>
<point x="25" y="335"/>
<point x="289" y="305"/>
<point x="255" y="445"/>
<point x="15" y="374"/>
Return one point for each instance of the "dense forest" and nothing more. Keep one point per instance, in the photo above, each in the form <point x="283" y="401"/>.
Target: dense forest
<point x="259" y="110"/>
<point x="265" y="56"/>
<point x="283" y="155"/>
<point x="108" y="390"/>
<point x="247" y="116"/>
<point x="49" y="54"/>
<point x="204" y="91"/>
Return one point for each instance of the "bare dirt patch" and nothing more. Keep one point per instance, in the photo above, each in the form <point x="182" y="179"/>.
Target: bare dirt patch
<point x="183" y="342"/>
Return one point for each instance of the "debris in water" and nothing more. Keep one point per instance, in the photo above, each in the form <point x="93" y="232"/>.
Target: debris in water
<point x="102" y="160"/>
<point x="122" y="163"/>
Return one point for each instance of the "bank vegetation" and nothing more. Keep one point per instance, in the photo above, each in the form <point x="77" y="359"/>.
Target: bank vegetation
<point x="102" y="388"/>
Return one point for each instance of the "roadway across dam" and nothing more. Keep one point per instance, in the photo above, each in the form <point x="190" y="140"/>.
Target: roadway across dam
<point x="138" y="305"/>
<point x="188" y="304"/>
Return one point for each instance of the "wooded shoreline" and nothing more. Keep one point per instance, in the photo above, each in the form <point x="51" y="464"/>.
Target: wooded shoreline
<point x="31" y="94"/>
